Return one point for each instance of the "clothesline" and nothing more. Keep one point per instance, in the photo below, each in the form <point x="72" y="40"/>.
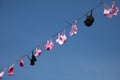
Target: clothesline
<point x="108" y="12"/>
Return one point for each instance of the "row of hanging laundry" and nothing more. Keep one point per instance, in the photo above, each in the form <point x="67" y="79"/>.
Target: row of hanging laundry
<point x="62" y="38"/>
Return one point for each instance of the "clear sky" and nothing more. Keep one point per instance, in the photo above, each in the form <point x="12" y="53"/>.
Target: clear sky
<point x="92" y="54"/>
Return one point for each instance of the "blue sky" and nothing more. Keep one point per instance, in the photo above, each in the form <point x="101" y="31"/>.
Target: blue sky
<point x="92" y="54"/>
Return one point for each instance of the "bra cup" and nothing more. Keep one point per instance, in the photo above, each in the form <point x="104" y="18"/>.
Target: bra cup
<point x="89" y="21"/>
